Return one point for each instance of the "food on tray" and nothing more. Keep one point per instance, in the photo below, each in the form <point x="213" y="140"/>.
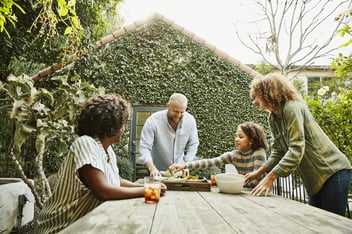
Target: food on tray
<point x="195" y="178"/>
<point x="184" y="178"/>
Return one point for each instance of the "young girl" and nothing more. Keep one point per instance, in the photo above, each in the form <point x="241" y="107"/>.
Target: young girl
<point x="249" y="153"/>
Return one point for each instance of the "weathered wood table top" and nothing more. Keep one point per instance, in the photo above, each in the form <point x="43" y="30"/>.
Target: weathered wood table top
<point x="209" y="212"/>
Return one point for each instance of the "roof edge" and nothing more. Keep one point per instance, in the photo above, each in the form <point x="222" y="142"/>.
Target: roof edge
<point x="132" y="27"/>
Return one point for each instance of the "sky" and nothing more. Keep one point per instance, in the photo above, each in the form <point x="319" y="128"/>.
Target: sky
<point x="214" y="21"/>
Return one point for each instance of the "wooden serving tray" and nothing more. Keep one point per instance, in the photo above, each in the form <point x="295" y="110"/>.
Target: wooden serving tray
<point x="188" y="185"/>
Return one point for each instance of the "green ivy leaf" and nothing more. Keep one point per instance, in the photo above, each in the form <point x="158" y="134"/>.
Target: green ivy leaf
<point x="68" y="30"/>
<point x="22" y="133"/>
<point x="44" y="93"/>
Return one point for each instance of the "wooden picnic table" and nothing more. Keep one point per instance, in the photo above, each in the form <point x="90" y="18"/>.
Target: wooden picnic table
<point x="209" y="212"/>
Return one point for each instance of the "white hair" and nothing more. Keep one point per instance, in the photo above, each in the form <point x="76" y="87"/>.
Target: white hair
<point x="179" y="97"/>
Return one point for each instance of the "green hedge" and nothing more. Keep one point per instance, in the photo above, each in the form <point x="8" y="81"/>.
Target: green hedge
<point x="146" y="66"/>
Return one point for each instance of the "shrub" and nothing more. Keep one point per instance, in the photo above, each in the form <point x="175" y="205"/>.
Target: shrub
<point x="335" y="118"/>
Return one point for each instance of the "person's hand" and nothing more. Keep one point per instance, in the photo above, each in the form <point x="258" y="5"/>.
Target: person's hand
<point x="154" y="172"/>
<point x="163" y="189"/>
<point x="264" y="185"/>
<point x="176" y="167"/>
<point x="253" y="175"/>
<point x="250" y="177"/>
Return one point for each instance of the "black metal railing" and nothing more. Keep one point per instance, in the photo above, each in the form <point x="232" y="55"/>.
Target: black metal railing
<point x="292" y="187"/>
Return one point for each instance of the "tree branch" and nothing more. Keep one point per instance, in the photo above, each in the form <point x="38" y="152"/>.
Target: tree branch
<point x="291" y="32"/>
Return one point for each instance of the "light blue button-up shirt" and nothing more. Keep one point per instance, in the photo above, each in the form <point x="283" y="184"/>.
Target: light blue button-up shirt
<point x="164" y="146"/>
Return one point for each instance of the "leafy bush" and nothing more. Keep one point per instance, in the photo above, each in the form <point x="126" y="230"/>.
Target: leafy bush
<point x="41" y="125"/>
<point x="149" y="64"/>
<point x="125" y="168"/>
<point x="335" y="118"/>
<point x="146" y="67"/>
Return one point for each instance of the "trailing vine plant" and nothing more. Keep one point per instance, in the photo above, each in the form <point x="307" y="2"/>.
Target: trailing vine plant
<point x="44" y="116"/>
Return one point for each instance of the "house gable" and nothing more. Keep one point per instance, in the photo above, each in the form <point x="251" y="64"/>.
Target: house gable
<point x="147" y="61"/>
<point x="154" y="59"/>
<point x="134" y="26"/>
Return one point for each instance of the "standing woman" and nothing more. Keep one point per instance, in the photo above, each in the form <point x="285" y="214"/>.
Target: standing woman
<point x="299" y="144"/>
<point x="249" y="153"/>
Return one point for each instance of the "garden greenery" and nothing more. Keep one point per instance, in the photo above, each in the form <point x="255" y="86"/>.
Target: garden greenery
<point x="335" y="118"/>
<point x="42" y="33"/>
<point x="149" y="64"/>
<point x="145" y="66"/>
<point x="40" y="127"/>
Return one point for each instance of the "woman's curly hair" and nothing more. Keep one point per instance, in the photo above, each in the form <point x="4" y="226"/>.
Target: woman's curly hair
<point x="256" y="134"/>
<point x="274" y="89"/>
<point x="103" y="116"/>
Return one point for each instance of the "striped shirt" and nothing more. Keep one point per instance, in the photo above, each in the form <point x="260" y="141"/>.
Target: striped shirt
<point x="71" y="199"/>
<point x="244" y="162"/>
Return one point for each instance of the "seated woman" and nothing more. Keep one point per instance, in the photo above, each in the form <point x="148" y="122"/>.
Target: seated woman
<point x="249" y="153"/>
<point x="89" y="174"/>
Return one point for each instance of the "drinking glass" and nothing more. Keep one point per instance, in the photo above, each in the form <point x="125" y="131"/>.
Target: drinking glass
<point x="152" y="190"/>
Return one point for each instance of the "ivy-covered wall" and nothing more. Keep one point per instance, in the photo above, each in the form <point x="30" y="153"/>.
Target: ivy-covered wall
<point x="149" y="64"/>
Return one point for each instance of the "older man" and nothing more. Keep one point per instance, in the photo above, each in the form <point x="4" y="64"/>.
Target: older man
<point x="169" y="136"/>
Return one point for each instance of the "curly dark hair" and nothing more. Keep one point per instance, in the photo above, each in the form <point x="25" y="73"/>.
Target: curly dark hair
<point x="274" y="89"/>
<point x="255" y="133"/>
<point x="103" y="116"/>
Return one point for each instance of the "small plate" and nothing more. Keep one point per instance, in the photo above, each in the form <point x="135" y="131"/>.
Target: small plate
<point x="165" y="174"/>
<point x="168" y="174"/>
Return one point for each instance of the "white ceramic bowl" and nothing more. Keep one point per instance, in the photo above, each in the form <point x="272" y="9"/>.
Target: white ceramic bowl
<point x="229" y="182"/>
